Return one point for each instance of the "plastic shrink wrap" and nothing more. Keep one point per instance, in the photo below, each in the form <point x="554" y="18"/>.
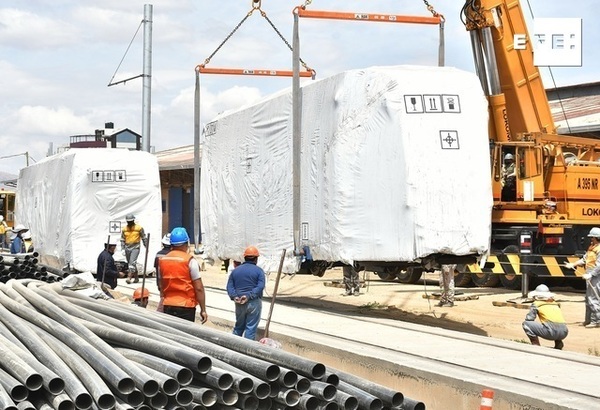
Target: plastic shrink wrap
<point x="73" y="201"/>
<point x="395" y="166"/>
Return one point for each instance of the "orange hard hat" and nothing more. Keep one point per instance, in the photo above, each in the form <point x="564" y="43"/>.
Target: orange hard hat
<point x="137" y="294"/>
<point x="251" y="251"/>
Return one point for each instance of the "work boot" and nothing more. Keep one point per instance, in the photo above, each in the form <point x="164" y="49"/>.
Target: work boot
<point x="534" y="340"/>
<point x="357" y="291"/>
<point x="558" y="344"/>
<point x="592" y="325"/>
<point x="348" y="292"/>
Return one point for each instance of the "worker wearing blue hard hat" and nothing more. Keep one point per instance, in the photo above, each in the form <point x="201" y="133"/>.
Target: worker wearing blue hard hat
<point x="181" y="287"/>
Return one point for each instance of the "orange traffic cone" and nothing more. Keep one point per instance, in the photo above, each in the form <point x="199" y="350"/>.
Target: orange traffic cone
<point x="487" y="399"/>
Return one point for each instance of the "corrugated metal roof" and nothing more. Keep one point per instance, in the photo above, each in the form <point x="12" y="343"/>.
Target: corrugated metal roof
<point x="176" y="158"/>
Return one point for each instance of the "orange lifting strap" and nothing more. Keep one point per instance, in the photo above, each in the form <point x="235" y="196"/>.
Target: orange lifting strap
<point x="380" y="18"/>
<point x="256" y="72"/>
<point x="201" y="68"/>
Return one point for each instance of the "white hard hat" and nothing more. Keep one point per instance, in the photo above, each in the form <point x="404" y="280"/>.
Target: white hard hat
<point x="166" y="240"/>
<point x="542" y="292"/>
<point x="19" y="228"/>
<point x="509" y="156"/>
<point x="111" y="241"/>
<point x="594" y="233"/>
<point x="26" y="235"/>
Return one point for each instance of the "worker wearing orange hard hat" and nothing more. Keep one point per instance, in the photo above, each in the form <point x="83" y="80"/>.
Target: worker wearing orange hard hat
<point x="140" y="297"/>
<point x="245" y="287"/>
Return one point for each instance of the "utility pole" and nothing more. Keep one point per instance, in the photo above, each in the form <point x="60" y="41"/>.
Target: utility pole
<point x="147" y="76"/>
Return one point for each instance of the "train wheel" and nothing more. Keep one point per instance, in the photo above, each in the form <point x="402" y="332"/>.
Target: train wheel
<point x="410" y="275"/>
<point x="462" y="278"/>
<point x="388" y="274"/>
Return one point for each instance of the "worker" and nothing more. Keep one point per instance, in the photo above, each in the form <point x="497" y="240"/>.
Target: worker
<point x="245" y="287"/>
<point x="552" y="325"/>
<point x="508" y="179"/>
<point x="447" y="286"/>
<point x="141" y="298"/>
<point x="591" y="261"/>
<point x="181" y="287"/>
<point x="351" y="281"/>
<point x="17" y="245"/>
<point x="131" y="238"/>
<point x="166" y="243"/>
<point x="3" y="230"/>
<point x="106" y="269"/>
<point x="27" y="242"/>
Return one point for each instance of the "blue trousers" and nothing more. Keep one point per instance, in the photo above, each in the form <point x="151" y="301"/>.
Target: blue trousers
<point x="247" y="318"/>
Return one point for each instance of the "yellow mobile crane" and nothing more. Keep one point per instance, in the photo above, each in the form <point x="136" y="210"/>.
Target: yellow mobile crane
<point x="542" y="215"/>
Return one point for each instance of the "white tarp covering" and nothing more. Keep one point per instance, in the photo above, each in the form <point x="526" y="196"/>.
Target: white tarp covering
<point x="73" y="201"/>
<point x="395" y="167"/>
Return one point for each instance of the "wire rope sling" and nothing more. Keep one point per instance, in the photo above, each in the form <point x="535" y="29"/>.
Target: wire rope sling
<point x="203" y="69"/>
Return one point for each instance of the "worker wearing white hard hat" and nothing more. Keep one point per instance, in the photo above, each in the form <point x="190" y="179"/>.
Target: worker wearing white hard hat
<point x="27" y="241"/>
<point x="17" y="245"/>
<point x="552" y="324"/>
<point x="591" y="262"/>
<point x="132" y="237"/>
<point x="106" y="268"/>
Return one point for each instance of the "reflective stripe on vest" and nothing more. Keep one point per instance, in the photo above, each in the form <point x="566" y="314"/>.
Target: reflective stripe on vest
<point x="176" y="283"/>
<point x="132" y="235"/>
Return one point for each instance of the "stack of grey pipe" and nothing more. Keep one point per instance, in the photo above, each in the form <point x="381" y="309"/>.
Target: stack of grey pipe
<point x="63" y="350"/>
<point x="25" y="265"/>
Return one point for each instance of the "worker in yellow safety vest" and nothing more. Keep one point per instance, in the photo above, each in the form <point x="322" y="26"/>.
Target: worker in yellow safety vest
<point x="552" y="324"/>
<point x="132" y="236"/>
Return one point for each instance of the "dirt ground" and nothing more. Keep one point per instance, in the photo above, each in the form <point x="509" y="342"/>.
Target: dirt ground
<point x="476" y="314"/>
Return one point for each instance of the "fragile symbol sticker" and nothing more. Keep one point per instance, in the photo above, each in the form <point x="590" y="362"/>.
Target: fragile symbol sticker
<point x="414" y="104"/>
<point x="449" y="139"/>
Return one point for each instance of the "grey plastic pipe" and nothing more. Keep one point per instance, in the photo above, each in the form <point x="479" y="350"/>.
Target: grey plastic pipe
<point x="93" y="349"/>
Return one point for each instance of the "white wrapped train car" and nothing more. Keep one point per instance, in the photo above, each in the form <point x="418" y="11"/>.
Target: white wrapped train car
<point x="73" y="201"/>
<point x="395" y="170"/>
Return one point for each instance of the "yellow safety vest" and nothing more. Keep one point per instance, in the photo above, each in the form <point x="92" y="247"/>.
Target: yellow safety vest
<point x="132" y="235"/>
<point x="549" y="311"/>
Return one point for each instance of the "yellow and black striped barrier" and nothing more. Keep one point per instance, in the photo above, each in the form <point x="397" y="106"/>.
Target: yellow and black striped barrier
<point x="538" y="265"/>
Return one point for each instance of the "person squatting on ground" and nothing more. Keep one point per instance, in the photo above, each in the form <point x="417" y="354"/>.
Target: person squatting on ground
<point x="552" y="325"/>
<point x="245" y="287"/>
<point x="141" y="298"/>
<point x="3" y="230"/>
<point x="106" y="269"/>
<point x="447" y="286"/>
<point x="18" y="245"/>
<point x="181" y="287"/>
<point x="166" y="243"/>
<point x="131" y="238"/>
<point x="591" y="262"/>
<point x="351" y="281"/>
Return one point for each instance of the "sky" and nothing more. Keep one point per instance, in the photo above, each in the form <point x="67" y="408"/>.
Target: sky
<point x="58" y="57"/>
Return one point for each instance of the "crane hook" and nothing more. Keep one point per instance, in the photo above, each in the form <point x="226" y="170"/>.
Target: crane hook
<point x="256" y="4"/>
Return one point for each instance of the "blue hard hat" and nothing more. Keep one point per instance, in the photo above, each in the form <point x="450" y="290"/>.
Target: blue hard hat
<point x="179" y="236"/>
